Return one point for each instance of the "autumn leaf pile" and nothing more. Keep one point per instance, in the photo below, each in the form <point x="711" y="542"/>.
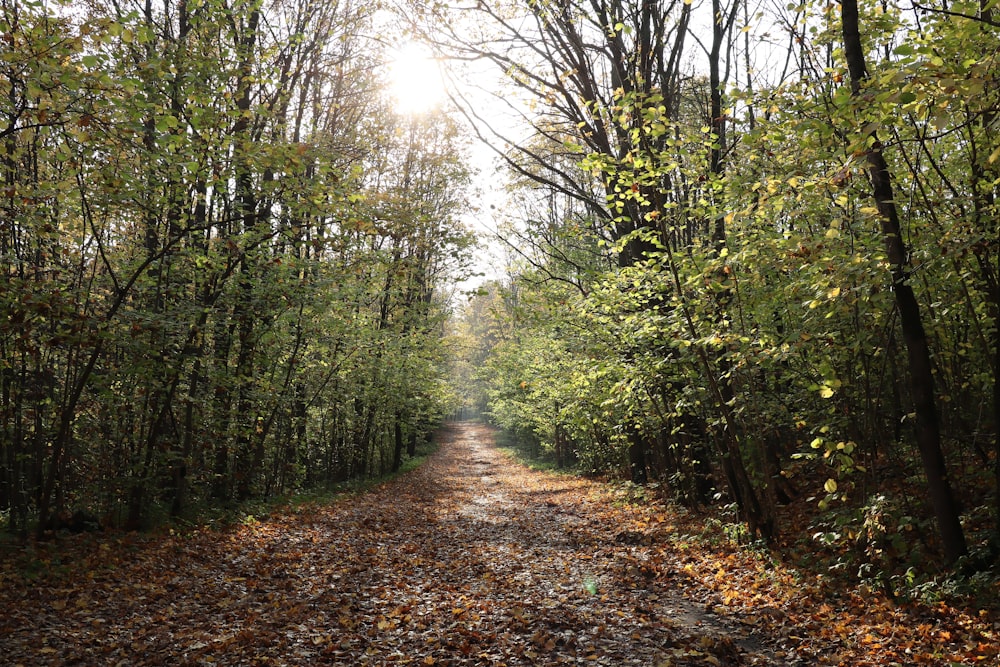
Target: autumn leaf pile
<point x="469" y="560"/>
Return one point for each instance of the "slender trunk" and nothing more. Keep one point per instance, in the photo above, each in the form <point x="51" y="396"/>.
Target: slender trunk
<point x="560" y="446"/>
<point x="246" y="197"/>
<point x="411" y="443"/>
<point x="223" y="341"/>
<point x="397" y="445"/>
<point x="985" y="204"/>
<point x="246" y="459"/>
<point x="637" y="459"/>
<point x="996" y="419"/>
<point x="298" y="442"/>
<point x="178" y="466"/>
<point x="914" y="336"/>
<point x="754" y="508"/>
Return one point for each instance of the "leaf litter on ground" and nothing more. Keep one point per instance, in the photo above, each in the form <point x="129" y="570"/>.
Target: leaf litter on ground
<point x="471" y="559"/>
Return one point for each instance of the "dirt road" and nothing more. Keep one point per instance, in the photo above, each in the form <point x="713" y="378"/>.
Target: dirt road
<point x="469" y="560"/>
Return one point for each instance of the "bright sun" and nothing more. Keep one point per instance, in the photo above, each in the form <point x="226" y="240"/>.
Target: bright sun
<point x="415" y="79"/>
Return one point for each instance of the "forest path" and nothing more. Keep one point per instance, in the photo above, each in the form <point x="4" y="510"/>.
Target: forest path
<point x="469" y="560"/>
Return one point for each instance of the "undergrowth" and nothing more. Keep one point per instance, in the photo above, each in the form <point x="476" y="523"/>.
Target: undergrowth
<point x="528" y="452"/>
<point x="258" y="510"/>
<point x="204" y="514"/>
<point x="883" y="544"/>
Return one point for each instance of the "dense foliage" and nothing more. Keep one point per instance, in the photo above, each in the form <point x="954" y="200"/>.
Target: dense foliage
<point x="221" y="253"/>
<point x="761" y="263"/>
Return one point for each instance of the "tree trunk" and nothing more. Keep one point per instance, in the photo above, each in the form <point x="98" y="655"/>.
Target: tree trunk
<point x="397" y="444"/>
<point x="637" y="456"/>
<point x="411" y="443"/>
<point x="914" y="337"/>
<point x="755" y="508"/>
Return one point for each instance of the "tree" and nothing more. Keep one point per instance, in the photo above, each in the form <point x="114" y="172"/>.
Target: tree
<point x="914" y="335"/>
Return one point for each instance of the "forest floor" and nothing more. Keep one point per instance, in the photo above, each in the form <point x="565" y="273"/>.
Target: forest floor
<point x="471" y="559"/>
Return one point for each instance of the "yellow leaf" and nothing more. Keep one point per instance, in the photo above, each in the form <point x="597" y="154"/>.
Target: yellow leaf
<point x="830" y="486"/>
